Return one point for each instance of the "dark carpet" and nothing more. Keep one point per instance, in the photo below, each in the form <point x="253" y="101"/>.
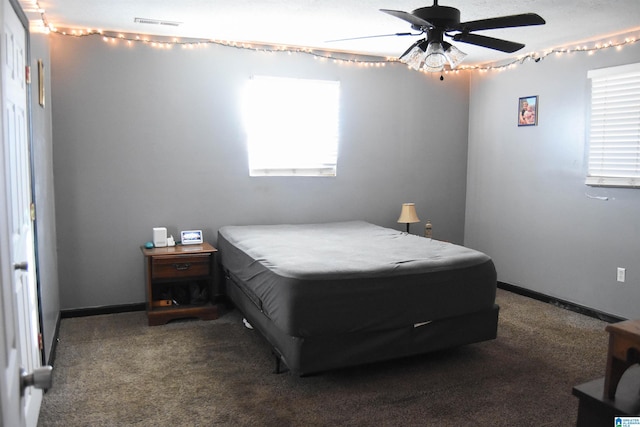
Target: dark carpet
<point x="114" y="370"/>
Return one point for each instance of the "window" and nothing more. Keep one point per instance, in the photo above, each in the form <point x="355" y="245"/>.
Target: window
<point x="292" y="126"/>
<point x="614" y="137"/>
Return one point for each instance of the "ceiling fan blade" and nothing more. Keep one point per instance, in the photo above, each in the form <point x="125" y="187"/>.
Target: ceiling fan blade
<point x="371" y="37"/>
<point x="489" y="42"/>
<point x="522" y="20"/>
<point x="417" y="24"/>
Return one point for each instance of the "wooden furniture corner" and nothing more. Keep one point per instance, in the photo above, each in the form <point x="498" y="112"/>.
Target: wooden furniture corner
<point x="624" y="351"/>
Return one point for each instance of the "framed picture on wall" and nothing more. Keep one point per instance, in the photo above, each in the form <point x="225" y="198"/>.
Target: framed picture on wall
<point x="528" y="111"/>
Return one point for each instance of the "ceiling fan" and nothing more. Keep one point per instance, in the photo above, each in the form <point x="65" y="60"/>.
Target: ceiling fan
<point x="433" y="53"/>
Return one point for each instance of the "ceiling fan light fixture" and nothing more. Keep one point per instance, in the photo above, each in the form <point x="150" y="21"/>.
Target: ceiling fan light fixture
<point x="435" y="58"/>
<point x="454" y="55"/>
<point x="432" y="56"/>
<point x="414" y="58"/>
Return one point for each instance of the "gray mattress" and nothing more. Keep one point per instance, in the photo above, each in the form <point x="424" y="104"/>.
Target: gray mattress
<point x="314" y="280"/>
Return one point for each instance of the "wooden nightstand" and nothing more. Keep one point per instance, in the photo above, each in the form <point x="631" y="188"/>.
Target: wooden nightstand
<point x="624" y="351"/>
<point x="180" y="282"/>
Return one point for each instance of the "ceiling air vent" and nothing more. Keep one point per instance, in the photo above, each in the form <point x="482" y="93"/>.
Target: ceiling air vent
<point x="156" y="22"/>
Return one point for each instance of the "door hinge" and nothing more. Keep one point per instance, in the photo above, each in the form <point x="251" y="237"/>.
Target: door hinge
<point x="32" y="211"/>
<point x="27" y="74"/>
<point x="40" y="342"/>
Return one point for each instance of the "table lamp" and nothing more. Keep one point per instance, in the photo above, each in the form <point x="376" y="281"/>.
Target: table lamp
<point x="408" y="214"/>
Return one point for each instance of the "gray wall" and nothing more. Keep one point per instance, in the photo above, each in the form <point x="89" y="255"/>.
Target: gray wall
<point x="527" y="204"/>
<point x="146" y="137"/>
<point x="44" y="193"/>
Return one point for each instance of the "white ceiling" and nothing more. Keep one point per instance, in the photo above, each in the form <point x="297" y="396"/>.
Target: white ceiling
<point x="311" y="23"/>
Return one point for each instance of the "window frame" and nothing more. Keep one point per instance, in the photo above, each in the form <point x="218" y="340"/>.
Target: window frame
<point x="613" y="152"/>
<point x="270" y="128"/>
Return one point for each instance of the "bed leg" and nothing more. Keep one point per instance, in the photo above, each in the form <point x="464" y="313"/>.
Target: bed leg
<point x="278" y="359"/>
<point x="277" y="369"/>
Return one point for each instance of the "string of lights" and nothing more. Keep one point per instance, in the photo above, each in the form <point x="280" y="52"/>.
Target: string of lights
<point x="163" y="42"/>
<point x="537" y="57"/>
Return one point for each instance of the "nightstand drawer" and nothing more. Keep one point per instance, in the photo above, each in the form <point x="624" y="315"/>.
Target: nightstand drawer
<point x="171" y="267"/>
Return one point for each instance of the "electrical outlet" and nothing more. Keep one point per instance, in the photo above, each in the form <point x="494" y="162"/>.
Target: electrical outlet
<point x="622" y="272"/>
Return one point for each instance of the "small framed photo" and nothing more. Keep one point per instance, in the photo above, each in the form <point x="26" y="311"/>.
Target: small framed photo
<point x="528" y="111"/>
<point x="191" y="237"/>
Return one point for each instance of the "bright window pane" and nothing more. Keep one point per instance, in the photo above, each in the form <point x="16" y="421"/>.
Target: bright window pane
<point x="614" y="135"/>
<point x="292" y="126"/>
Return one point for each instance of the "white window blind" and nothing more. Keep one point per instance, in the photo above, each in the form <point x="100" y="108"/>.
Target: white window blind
<point x="614" y="136"/>
<point x="292" y="126"/>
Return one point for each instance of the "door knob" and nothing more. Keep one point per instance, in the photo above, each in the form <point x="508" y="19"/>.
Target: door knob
<point x="40" y="378"/>
<point x="24" y="266"/>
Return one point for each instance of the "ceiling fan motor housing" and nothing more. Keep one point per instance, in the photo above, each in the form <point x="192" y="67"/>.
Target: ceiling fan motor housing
<point x="440" y="16"/>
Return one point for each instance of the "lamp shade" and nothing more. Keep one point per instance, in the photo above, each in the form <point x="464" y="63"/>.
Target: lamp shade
<point x="414" y="56"/>
<point x="434" y="57"/>
<point x="453" y="54"/>
<point x="408" y="214"/>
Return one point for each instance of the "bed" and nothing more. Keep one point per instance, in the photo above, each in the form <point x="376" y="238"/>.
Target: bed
<point x="328" y="296"/>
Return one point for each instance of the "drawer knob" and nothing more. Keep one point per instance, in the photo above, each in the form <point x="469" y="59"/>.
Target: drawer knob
<point x="182" y="267"/>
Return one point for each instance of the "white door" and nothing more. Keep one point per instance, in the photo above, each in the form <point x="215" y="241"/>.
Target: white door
<point x="20" y="324"/>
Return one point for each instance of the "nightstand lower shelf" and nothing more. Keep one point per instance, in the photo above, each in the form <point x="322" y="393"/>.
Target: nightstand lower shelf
<point x="160" y="316"/>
